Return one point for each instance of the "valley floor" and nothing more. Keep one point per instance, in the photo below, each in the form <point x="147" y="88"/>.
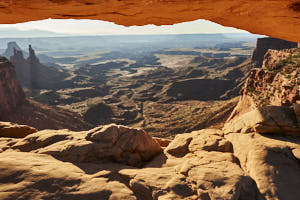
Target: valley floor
<point x="165" y="93"/>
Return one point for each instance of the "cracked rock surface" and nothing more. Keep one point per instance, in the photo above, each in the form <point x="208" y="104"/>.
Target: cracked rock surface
<point x="118" y="162"/>
<point x="272" y="161"/>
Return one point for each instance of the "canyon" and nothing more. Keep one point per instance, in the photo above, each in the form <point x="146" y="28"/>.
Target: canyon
<point x="111" y="129"/>
<point x="15" y="107"/>
<point x="146" y="88"/>
<point x="255" y="155"/>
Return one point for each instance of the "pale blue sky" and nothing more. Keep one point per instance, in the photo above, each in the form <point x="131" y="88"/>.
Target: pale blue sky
<point x="92" y="27"/>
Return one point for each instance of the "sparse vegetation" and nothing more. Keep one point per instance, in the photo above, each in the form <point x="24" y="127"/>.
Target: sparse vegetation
<point x="285" y="79"/>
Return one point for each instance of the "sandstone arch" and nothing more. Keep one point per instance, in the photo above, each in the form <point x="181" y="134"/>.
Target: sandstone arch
<point x="280" y="18"/>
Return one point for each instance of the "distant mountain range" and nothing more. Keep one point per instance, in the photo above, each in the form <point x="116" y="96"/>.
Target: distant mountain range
<point x="17" y="33"/>
<point x="11" y="32"/>
<point x="123" y="43"/>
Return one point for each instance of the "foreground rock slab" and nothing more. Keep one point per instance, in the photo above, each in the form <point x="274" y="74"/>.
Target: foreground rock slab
<point x="272" y="161"/>
<point x="37" y="176"/>
<point x="197" y="165"/>
<point x="118" y="162"/>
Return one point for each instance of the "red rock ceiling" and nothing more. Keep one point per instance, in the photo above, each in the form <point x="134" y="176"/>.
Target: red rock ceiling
<point x="276" y="18"/>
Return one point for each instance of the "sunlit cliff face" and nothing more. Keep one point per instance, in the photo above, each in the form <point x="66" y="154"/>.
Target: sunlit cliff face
<point x="273" y="18"/>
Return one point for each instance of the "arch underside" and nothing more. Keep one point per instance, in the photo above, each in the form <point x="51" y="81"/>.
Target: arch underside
<point x="280" y="18"/>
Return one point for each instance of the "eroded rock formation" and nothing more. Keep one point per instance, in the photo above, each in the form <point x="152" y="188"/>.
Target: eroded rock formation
<point x="278" y="19"/>
<point x="14" y="107"/>
<point x="267" y="98"/>
<point x="118" y="162"/>
<point x="103" y="164"/>
<point x="11" y="47"/>
<point x="22" y="68"/>
<point x="269" y="160"/>
<point x="11" y="94"/>
<point x="34" y="75"/>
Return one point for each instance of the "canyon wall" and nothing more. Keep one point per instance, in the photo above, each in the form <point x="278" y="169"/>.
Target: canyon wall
<point x="15" y="108"/>
<point x="22" y="68"/>
<point x="269" y="100"/>
<point x="278" y="19"/>
<point x="34" y="75"/>
<point x="264" y="44"/>
<point x="11" y="94"/>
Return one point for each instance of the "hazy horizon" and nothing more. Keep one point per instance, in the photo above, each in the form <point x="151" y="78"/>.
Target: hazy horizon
<point x="71" y="27"/>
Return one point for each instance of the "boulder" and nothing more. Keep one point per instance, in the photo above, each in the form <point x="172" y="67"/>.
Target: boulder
<point x="267" y="119"/>
<point x="162" y="141"/>
<point x="197" y="165"/>
<point x="112" y="143"/>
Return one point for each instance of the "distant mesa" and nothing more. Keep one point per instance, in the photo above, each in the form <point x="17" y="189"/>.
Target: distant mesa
<point x="264" y="44"/>
<point x="10" y="49"/>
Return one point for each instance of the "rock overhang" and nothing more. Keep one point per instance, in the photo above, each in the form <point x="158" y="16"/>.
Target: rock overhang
<point x="273" y="18"/>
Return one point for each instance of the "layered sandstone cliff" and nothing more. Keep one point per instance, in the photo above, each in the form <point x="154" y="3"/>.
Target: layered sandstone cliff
<point x="264" y="44"/>
<point x="15" y="108"/>
<point x="11" y="94"/>
<point x="270" y="96"/>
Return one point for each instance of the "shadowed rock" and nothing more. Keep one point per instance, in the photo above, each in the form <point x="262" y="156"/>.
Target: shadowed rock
<point x="11" y="130"/>
<point x="11" y="94"/>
